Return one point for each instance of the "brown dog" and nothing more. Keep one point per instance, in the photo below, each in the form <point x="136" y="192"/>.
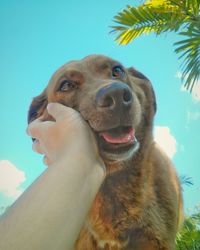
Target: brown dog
<point x="139" y="204"/>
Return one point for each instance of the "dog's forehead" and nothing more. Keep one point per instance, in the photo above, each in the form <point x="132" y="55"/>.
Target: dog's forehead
<point x="89" y="63"/>
<point x="88" y="66"/>
<point x="98" y="60"/>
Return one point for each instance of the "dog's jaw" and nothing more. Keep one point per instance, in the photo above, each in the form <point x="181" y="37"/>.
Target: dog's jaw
<point x="117" y="149"/>
<point x="123" y="156"/>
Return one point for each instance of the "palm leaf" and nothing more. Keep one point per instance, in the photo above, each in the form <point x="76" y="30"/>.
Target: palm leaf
<point x="190" y="53"/>
<point x="189" y="234"/>
<point x="159" y="16"/>
<point x="185" y="180"/>
<point x="142" y="20"/>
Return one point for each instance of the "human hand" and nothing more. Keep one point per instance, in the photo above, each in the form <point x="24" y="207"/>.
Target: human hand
<point x="69" y="135"/>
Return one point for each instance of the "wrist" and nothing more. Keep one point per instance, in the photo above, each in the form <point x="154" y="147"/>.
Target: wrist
<point x="81" y="164"/>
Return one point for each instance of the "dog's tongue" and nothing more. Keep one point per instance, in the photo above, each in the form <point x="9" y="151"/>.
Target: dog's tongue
<point x="125" y="137"/>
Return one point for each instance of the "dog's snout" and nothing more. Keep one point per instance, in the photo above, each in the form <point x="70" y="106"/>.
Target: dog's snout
<point x="114" y="95"/>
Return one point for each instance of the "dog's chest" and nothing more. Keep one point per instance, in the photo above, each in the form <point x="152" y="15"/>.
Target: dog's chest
<point x="111" y="216"/>
<point x="98" y="231"/>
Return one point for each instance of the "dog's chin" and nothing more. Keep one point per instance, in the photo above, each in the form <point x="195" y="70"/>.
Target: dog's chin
<point x="120" y="155"/>
<point x="118" y="144"/>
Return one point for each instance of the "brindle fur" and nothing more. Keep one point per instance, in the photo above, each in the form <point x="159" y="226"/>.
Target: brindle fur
<point x="139" y="204"/>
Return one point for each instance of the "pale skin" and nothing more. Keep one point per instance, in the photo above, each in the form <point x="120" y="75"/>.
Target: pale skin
<point x="50" y="213"/>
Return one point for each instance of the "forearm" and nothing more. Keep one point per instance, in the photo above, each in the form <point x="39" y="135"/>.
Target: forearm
<point x="42" y="218"/>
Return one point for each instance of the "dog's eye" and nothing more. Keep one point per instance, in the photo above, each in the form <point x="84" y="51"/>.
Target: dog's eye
<point x="67" y="85"/>
<point x="118" y="71"/>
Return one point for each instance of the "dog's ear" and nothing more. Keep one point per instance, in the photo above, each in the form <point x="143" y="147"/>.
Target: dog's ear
<point x="133" y="72"/>
<point x="154" y="100"/>
<point x="37" y="107"/>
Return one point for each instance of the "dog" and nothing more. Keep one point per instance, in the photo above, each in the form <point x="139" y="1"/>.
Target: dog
<point x="139" y="204"/>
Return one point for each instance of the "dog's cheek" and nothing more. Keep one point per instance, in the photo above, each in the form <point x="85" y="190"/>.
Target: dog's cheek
<point x="137" y="112"/>
<point x="147" y="97"/>
<point x="90" y="115"/>
<point x="67" y="99"/>
<point x="86" y="105"/>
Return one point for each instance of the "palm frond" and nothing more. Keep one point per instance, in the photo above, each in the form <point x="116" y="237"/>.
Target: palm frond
<point x="190" y="53"/>
<point x="189" y="234"/>
<point x="163" y="5"/>
<point x="185" y="180"/>
<point x="143" y="20"/>
<point x="189" y="8"/>
<point x="159" y="16"/>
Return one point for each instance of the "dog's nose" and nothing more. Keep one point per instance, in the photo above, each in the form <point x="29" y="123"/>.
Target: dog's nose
<point x="114" y="95"/>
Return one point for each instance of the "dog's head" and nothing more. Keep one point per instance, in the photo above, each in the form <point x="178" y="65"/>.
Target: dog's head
<point x="118" y="103"/>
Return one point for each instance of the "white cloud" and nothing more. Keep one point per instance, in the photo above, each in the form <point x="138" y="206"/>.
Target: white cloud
<point x="166" y="140"/>
<point x="196" y="88"/>
<point x="10" y="179"/>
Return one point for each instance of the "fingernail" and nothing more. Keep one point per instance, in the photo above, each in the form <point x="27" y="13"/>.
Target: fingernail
<point x="50" y="105"/>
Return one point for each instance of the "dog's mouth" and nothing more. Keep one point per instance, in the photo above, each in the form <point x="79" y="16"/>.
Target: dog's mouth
<point x="118" y="143"/>
<point x="119" y="135"/>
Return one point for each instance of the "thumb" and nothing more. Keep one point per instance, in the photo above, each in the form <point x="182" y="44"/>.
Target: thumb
<point x="59" y="111"/>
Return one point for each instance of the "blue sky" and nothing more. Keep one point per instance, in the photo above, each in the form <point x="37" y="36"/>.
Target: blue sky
<point x="37" y="37"/>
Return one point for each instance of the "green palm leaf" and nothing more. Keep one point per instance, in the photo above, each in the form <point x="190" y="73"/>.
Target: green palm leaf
<point x="158" y="16"/>
<point x="185" y="180"/>
<point x="142" y="20"/>
<point x="189" y="234"/>
<point x="189" y="49"/>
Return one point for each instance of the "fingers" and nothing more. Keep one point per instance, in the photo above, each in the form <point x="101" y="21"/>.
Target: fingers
<point x="60" y="112"/>
<point x="33" y="130"/>
<point x="36" y="146"/>
<point x="37" y="128"/>
<point x="38" y="149"/>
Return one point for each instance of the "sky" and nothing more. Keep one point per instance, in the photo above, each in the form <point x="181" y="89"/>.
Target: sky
<point x="37" y="37"/>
